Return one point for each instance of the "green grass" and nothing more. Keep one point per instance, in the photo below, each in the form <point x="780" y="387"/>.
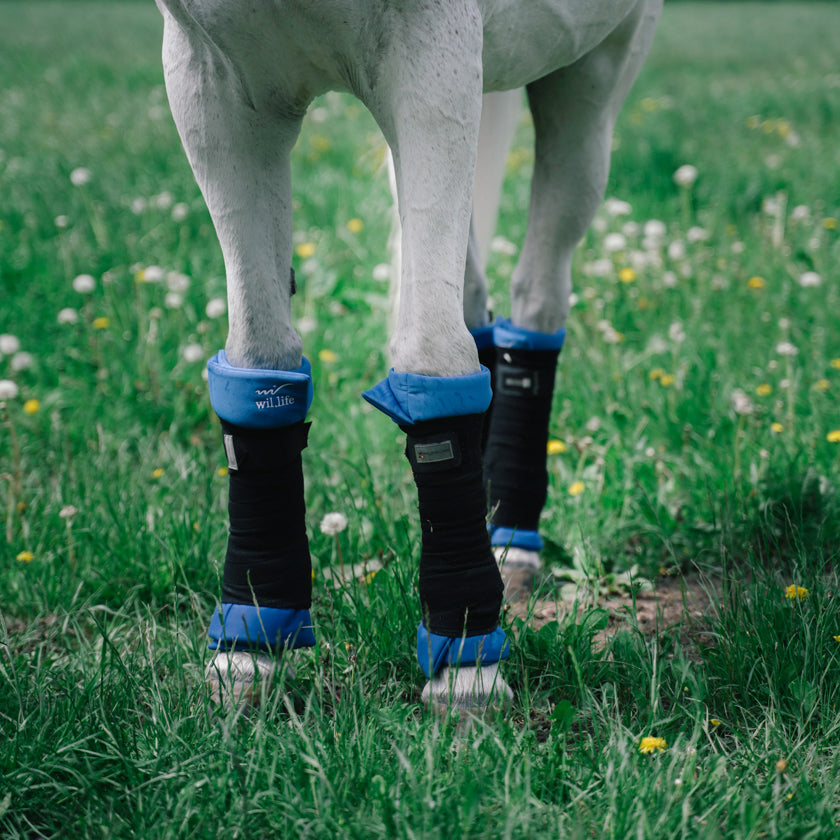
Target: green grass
<point x="103" y="715"/>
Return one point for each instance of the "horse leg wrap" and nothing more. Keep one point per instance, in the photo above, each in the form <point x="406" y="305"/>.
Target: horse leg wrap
<point x="515" y="459"/>
<point x="267" y="579"/>
<point x="460" y="586"/>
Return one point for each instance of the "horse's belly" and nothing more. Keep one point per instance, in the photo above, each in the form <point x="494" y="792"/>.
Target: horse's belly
<point x="524" y="41"/>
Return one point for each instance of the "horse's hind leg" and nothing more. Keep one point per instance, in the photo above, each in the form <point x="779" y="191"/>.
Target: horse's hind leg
<point x="259" y="385"/>
<point x="574" y="112"/>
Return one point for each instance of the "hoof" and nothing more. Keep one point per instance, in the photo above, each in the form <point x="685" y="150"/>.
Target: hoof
<point x="470" y="688"/>
<point x="238" y="679"/>
<point x="518" y="567"/>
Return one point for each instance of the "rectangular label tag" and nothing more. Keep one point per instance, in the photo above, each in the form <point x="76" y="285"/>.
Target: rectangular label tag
<point x="433" y="453"/>
<point x="230" y="452"/>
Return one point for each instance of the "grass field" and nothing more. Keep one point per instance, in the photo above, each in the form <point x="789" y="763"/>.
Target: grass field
<point x="696" y="431"/>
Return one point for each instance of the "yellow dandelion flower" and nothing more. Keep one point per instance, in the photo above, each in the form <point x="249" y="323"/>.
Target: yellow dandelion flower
<point x="158" y="473"/>
<point x="776" y="428"/>
<point x="306" y="250"/>
<point x="764" y="390"/>
<point x="753" y="122"/>
<point x="555" y="447"/>
<point x="101" y="323"/>
<point x="822" y="385"/>
<point x="796" y="593"/>
<point x="576" y="488"/>
<point x="222" y="472"/>
<point x="355" y="225"/>
<point x="328" y="356"/>
<point x="835" y="363"/>
<point x="31" y="407"/>
<point x="650" y="744"/>
<point x="756" y="282"/>
<point x="836" y="638"/>
<point x="25" y="557"/>
<point x="656" y="373"/>
<point x="627" y="275"/>
<point x="667" y="379"/>
<point x="714" y="722"/>
<point x="829" y="223"/>
<point x="781" y="765"/>
<point x="833" y="436"/>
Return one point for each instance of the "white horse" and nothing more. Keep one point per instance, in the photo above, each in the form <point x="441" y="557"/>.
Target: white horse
<point x="240" y="77"/>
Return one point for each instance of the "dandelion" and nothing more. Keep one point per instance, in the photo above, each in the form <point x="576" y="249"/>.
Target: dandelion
<point x="382" y="273"/>
<point x="822" y="385"/>
<point x="306" y="250"/>
<point x="833" y="436"/>
<point x="222" y="472"/>
<point x="61" y="222"/>
<point x="576" y="488"/>
<point x="741" y="403"/>
<point x="9" y="344"/>
<point x="215" y="307"/>
<point x="180" y="211"/>
<point x="555" y="447"/>
<point x="785" y="348"/>
<point x="669" y="279"/>
<point x="333" y="524"/>
<point x="68" y="512"/>
<point x="756" y="283"/>
<point x="614" y="242"/>
<point x="503" y="246"/>
<point x="101" y="323"/>
<point x="158" y="473"/>
<point x="192" y="353"/>
<point x="25" y="557"/>
<point x="764" y="390"/>
<point x="617" y="207"/>
<point x="834" y="363"/>
<point x="627" y="275"/>
<point x="676" y="250"/>
<point x="31" y="407"/>
<point x="714" y="722"/>
<point x="776" y="428"/>
<point x="696" y="234"/>
<point x="781" y="765"/>
<point x="829" y="223"/>
<point x="150" y="274"/>
<point x="355" y="225"/>
<point x="796" y="593"/>
<point x="173" y="300"/>
<point x="84" y="284"/>
<point x="68" y="316"/>
<point x="655" y="229"/>
<point x="649" y="744"/>
<point x="809" y="280"/>
<point x="836" y="638"/>
<point x="8" y="389"/>
<point x="656" y="373"/>
<point x="676" y="332"/>
<point x="80" y="176"/>
<point x="667" y="379"/>
<point x="22" y="361"/>
<point x="177" y="282"/>
<point x="685" y="176"/>
<point x="327" y="356"/>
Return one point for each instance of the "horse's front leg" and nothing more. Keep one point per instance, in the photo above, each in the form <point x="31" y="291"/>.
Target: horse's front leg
<point x="260" y="386"/>
<point x="428" y="106"/>
<point x="574" y="112"/>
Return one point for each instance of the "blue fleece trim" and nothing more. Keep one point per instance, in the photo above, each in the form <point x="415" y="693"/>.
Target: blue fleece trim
<point x="257" y="398"/>
<point x="483" y="336"/>
<point x="409" y="398"/>
<point x="505" y="334"/>
<point x="530" y="540"/>
<point x="246" y="627"/>
<point x="433" y="651"/>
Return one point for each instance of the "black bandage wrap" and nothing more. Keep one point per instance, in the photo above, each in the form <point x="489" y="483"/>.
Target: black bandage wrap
<point x="267" y="558"/>
<point x="514" y="459"/>
<point x="460" y="586"/>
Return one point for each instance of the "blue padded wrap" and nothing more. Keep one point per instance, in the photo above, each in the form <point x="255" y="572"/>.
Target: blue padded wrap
<point x="256" y="398"/>
<point x="483" y="336"/>
<point x="409" y="398"/>
<point x="506" y="335"/>
<point x="433" y="651"/>
<point x="246" y="627"/>
<point x="530" y="540"/>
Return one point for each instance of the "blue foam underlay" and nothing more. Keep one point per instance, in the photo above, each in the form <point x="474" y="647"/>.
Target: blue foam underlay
<point x="433" y="651"/>
<point x="246" y="627"/>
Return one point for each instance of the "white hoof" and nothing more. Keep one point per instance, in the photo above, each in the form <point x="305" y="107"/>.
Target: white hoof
<point x="472" y="688"/>
<point x="518" y="567"/>
<point x="238" y="679"/>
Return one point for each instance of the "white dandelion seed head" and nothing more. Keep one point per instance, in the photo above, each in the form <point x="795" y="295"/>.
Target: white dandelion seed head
<point x="163" y="201"/>
<point x="333" y="523"/>
<point x="152" y="274"/>
<point x="68" y="315"/>
<point x="630" y="229"/>
<point x="741" y="403"/>
<point x="676" y="250"/>
<point x="800" y="213"/>
<point x="80" y="176"/>
<point x="138" y="205"/>
<point x="177" y="282"/>
<point x="500" y="245"/>
<point x="180" y="211"/>
<point x="810" y="279"/>
<point x="614" y="242"/>
<point x="173" y="300"/>
<point x="382" y="273"/>
<point x="84" y="284"/>
<point x="697" y="234"/>
<point x="617" y="207"/>
<point x="22" y="361"/>
<point x="62" y="221"/>
<point x="676" y="332"/>
<point x="785" y="348"/>
<point x="655" y="229"/>
<point x="307" y="324"/>
<point x="9" y="344"/>
<point x="68" y="511"/>
<point x="192" y="353"/>
<point x="738" y="247"/>
<point x="215" y="307"/>
<point x="599" y="268"/>
<point x="686" y="175"/>
<point x="8" y="389"/>
<point x="669" y="279"/>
